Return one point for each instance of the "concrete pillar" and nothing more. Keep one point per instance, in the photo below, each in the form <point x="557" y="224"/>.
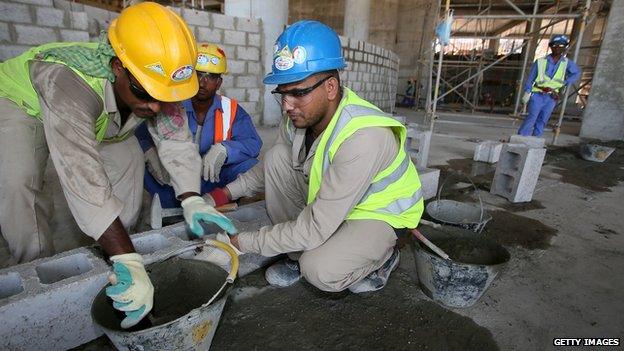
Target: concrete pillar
<point x="357" y="19"/>
<point x="274" y="16"/>
<point x="604" y="114"/>
<point x="493" y="45"/>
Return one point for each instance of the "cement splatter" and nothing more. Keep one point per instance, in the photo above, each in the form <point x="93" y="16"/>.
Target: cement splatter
<point x="523" y="206"/>
<point x="593" y="176"/>
<point x="513" y="230"/>
<point x="303" y="318"/>
<point x="606" y="232"/>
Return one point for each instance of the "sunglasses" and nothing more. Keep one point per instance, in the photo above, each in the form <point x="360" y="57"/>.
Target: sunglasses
<point x="137" y="91"/>
<point x="296" y="96"/>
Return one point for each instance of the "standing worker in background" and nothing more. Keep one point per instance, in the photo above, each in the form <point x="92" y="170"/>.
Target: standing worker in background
<point x="541" y="91"/>
<point x="338" y="181"/>
<point x="228" y="142"/>
<point x="79" y="103"/>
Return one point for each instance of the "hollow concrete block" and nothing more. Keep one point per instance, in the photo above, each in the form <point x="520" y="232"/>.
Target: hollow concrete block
<point x="530" y="141"/>
<point x="488" y="151"/>
<point x="429" y="178"/>
<point x="517" y="172"/>
<point x="418" y="143"/>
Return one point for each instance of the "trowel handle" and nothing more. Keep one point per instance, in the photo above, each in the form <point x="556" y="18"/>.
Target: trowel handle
<point x="430" y="245"/>
<point x="232" y="206"/>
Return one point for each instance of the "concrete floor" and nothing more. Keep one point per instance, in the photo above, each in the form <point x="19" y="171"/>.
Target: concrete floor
<point x="565" y="283"/>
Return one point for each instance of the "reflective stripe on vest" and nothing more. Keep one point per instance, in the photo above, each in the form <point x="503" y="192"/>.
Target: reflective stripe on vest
<point x="542" y="80"/>
<point x="395" y="194"/>
<point x="15" y="85"/>
<point x="225" y="120"/>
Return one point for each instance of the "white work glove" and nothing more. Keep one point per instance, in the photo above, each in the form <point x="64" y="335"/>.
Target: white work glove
<point x="216" y="255"/>
<point x="526" y="97"/>
<point x="155" y="167"/>
<point x="213" y="161"/>
<point x="131" y="289"/>
<point x="196" y="210"/>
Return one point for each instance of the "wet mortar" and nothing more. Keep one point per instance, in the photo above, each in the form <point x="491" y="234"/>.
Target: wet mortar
<point x="594" y="176"/>
<point x="510" y="229"/>
<point x="180" y="285"/>
<point x="471" y="250"/>
<point x="302" y="317"/>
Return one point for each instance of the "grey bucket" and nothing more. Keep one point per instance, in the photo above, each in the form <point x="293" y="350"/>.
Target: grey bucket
<point x="454" y="283"/>
<point x="457" y="213"/>
<point x="191" y="331"/>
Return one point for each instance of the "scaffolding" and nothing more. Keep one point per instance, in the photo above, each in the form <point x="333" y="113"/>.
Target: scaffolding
<point x="459" y="72"/>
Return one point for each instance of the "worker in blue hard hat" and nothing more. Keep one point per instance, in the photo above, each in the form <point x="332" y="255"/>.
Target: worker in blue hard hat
<point x="338" y="181"/>
<point x="547" y="77"/>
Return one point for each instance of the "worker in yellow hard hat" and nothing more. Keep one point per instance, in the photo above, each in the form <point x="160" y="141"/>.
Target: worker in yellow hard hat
<point x="79" y="103"/>
<point x="227" y="140"/>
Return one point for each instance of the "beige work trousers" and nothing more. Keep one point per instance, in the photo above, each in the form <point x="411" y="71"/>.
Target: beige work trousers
<point x="25" y="209"/>
<point x="356" y="249"/>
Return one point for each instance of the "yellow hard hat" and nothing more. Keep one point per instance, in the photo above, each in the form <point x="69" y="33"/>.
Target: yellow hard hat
<point x="158" y="48"/>
<point x="211" y="59"/>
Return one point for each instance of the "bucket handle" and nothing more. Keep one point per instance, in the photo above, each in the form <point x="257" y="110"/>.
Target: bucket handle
<point x="234" y="262"/>
<point x="475" y="190"/>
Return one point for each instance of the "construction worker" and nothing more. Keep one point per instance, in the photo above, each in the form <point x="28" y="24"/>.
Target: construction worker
<point x="225" y="133"/>
<point x="79" y="104"/>
<point x="338" y="181"/>
<point x="541" y="91"/>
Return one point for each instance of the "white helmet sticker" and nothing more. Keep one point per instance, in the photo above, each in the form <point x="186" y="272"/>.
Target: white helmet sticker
<point x="214" y="60"/>
<point x="202" y="59"/>
<point x="299" y="54"/>
<point x="182" y="73"/>
<point x="283" y="63"/>
<point x="157" y="67"/>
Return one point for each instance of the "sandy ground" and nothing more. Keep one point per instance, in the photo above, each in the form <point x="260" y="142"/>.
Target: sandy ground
<point x="563" y="279"/>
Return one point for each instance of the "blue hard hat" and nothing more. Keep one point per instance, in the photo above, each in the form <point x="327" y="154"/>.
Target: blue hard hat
<point x="559" y="39"/>
<point x="303" y="49"/>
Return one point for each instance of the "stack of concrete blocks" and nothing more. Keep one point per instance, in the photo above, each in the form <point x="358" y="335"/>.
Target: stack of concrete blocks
<point x="518" y="170"/>
<point x="371" y="72"/>
<point x="28" y="23"/>
<point x="46" y="304"/>
<point x="488" y="151"/>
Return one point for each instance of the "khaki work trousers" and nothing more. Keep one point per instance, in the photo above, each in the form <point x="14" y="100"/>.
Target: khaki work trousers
<point x="356" y="249"/>
<point x="25" y="209"/>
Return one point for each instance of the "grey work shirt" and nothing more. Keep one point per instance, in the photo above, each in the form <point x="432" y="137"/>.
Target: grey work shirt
<point x="69" y="109"/>
<point x="356" y="162"/>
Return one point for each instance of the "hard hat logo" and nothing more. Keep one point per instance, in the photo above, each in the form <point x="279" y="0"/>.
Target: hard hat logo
<point x="202" y="59"/>
<point x="284" y="59"/>
<point x="158" y="68"/>
<point x="182" y="73"/>
<point x="214" y="60"/>
<point x="299" y="54"/>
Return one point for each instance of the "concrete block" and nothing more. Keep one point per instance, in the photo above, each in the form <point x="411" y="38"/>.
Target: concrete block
<point x="248" y="24"/>
<point x="48" y="3"/>
<point x="32" y="35"/>
<point x="418" y="143"/>
<point x="197" y="18"/>
<point x="234" y="38"/>
<point x="4" y="32"/>
<point x="62" y="5"/>
<point x="228" y="81"/>
<point x="253" y="94"/>
<point x="9" y="51"/>
<point x="250" y="107"/>
<point x="235" y="93"/>
<point x="488" y="151"/>
<point x="222" y="21"/>
<point x="344" y="41"/>
<point x="236" y="67"/>
<point x="210" y="35"/>
<point x="74" y="35"/>
<point x="254" y="67"/>
<point x="358" y="56"/>
<point x="246" y="81"/>
<point x="253" y="40"/>
<point x="429" y="178"/>
<point x="79" y="20"/>
<point x="247" y="53"/>
<point x="517" y="172"/>
<point x="10" y="12"/>
<point x="50" y="17"/>
<point x="529" y="141"/>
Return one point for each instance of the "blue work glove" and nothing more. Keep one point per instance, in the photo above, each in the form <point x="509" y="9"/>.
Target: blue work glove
<point x="196" y="210"/>
<point x="131" y="289"/>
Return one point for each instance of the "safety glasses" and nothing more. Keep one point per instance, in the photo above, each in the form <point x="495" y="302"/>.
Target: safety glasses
<point x="208" y="77"/>
<point x="296" y="97"/>
<point x="137" y="91"/>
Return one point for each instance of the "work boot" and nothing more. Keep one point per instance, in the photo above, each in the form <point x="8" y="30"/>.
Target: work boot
<point x="283" y="273"/>
<point x="376" y="280"/>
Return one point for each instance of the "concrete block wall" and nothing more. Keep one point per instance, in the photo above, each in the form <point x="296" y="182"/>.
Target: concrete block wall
<point x="517" y="172"/>
<point x="46" y="304"/>
<point x="28" y="23"/>
<point x="372" y="72"/>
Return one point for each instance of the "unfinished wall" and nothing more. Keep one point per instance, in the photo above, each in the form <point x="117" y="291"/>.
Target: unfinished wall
<point x="604" y="117"/>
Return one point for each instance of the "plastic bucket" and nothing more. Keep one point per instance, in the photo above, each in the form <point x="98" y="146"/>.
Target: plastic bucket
<point x="460" y="282"/>
<point x="189" y="296"/>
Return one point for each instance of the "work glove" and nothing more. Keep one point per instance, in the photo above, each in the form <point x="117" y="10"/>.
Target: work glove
<point x="217" y="256"/>
<point x="131" y="289"/>
<point x="213" y="161"/>
<point x="196" y="210"/>
<point x="217" y="197"/>
<point x="526" y="97"/>
<point x="155" y="167"/>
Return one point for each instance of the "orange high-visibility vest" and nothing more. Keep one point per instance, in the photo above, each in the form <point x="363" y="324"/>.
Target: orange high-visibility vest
<point x="224" y="119"/>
